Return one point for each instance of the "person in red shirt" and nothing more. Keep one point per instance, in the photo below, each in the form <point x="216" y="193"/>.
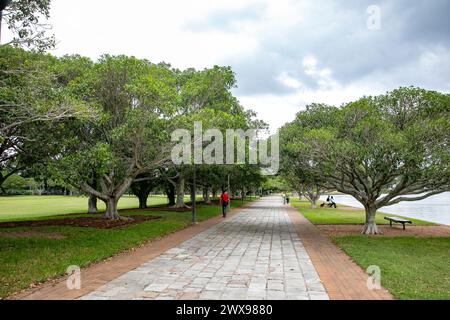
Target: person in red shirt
<point x="224" y="201"/>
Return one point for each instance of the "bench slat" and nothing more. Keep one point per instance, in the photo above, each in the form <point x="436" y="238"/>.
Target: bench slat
<point x="398" y="220"/>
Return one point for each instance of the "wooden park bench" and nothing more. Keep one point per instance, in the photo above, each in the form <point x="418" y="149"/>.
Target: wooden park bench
<point x="397" y="220"/>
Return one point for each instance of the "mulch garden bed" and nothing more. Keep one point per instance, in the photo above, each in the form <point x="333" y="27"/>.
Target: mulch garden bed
<point x="87" y="222"/>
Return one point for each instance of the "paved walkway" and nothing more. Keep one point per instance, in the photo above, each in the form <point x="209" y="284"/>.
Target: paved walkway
<point x="256" y="254"/>
<point x="343" y="279"/>
<point x="99" y="274"/>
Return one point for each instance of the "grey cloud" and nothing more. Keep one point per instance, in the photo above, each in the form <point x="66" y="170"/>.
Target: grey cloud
<point x="224" y="19"/>
<point x="336" y="33"/>
<point x="259" y="74"/>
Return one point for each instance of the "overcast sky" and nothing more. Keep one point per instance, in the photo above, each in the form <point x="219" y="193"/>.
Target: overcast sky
<point x="286" y="53"/>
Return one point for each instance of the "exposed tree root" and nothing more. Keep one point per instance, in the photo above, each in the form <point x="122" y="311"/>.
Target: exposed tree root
<point x="371" y="229"/>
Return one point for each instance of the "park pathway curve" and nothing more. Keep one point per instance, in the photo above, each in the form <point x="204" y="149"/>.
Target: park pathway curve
<point x="256" y="254"/>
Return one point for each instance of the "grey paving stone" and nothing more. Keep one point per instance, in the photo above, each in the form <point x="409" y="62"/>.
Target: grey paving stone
<point x="156" y="287"/>
<point x="318" y="296"/>
<point x="256" y="254"/>
<point x="211" y="295"/>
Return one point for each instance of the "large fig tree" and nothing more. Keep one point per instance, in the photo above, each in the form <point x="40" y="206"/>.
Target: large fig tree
<point x="135" y="99"/>
<point x="381" y="150"/>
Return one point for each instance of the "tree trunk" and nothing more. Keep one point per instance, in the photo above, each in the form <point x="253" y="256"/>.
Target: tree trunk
<point x="180" y="194"/>
<point x="312" y="197"/>
<point x="143" y="201"/>
<point x="370" y="227"/>
<point x="206" y="195"/>
<point x="142" y="190"/>
<point x="110" y="198"/>
<point x="314" y="203"/>
<point x="170" y="192"/>
<point x="111" y="209"/>
<point x="92" y="205"/>
<point x="316" y="197"/>
<point x="214" y="194"/>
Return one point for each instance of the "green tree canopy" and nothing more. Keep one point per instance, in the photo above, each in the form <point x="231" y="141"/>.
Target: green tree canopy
<point x="34" y="110"/>
<point x="130" y="139"/>
<point x="295" y="165"/>
<point x="381" y="150"/>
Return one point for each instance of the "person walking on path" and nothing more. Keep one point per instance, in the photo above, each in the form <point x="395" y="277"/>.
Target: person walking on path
<point x="332" y="203"/>
<point x="224" y="201"/>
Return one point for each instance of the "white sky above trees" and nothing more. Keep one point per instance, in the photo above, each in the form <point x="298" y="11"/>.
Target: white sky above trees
<point x="286" y="53"/>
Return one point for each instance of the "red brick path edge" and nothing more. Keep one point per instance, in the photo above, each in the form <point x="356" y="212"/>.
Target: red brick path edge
<point x="97" y="275"/>
<point x="342" y="278"/>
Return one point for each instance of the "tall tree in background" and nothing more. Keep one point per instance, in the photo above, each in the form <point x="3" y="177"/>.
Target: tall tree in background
<point x="205" y="96"/>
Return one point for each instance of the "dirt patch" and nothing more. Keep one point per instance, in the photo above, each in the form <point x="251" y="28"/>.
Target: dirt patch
<point x="32" y="234"/>
<point x="396" y="231"/>
<point x="87" y="222"/>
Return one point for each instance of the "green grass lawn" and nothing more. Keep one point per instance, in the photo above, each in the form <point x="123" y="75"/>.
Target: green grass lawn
<point x="342" y="215"/>
<point x="24" y="261"/>
<point x="411" y="268"/>
<point x="26" y="207"/>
